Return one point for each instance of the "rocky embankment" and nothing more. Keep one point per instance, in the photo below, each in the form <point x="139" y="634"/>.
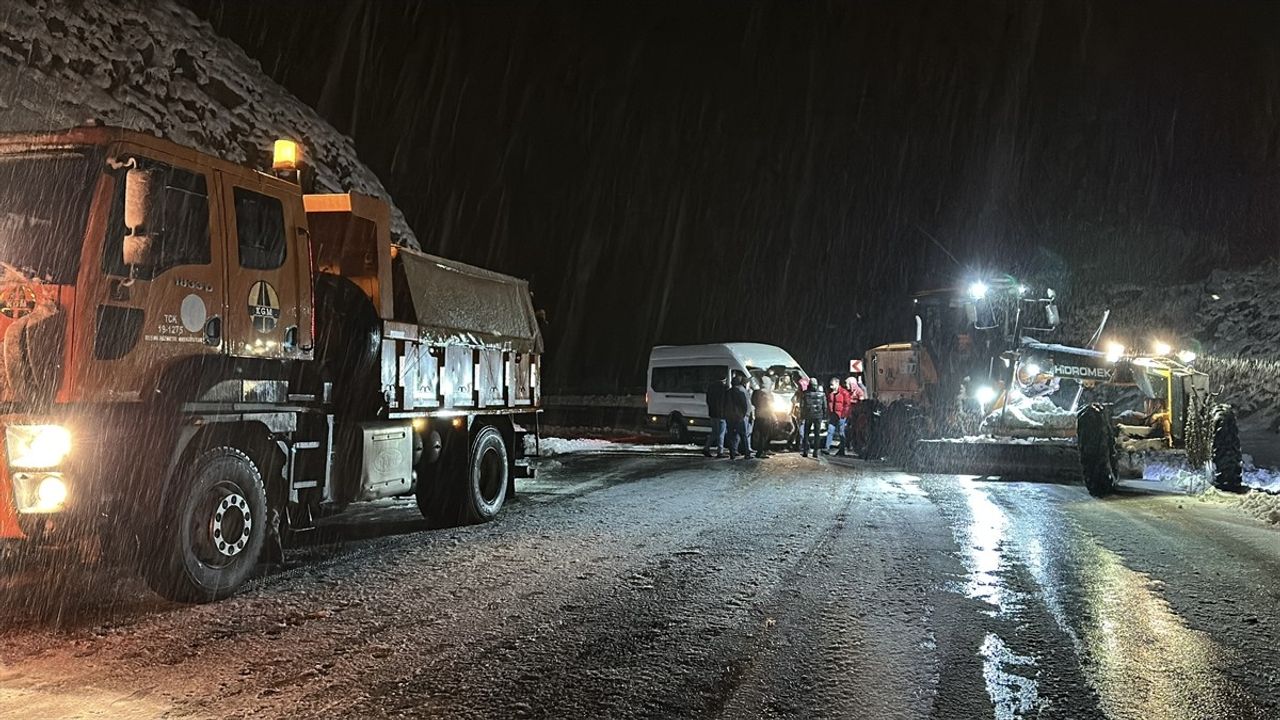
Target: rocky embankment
<point x="152" y="65"/>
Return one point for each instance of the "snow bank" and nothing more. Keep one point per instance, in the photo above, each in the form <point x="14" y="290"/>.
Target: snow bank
<point x="1267" y="479"/>
<point x="152" y="65"/>
<point x="551" y="446"/>
<point x="1263" y="506"/>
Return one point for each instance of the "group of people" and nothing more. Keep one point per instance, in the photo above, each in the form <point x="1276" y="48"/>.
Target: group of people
<point x="837" y="406"/>
<point x="743" y="418"/>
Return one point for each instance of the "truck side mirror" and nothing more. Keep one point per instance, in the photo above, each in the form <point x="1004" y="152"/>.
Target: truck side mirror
<point x="142" y="190"/>
<point x="1051" y="314"/>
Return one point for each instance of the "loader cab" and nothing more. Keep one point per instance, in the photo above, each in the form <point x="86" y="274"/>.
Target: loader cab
<point x="163" y="258"/>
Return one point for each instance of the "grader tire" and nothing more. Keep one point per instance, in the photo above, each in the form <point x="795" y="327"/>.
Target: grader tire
<point x="903" y="427"/>
<point x="1097" y="440"/>
<point x="1225" y="449"/>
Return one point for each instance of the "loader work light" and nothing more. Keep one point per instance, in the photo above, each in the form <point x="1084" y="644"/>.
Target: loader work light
<point x="1114" y="351"/>
<point x="978" y="290"/>
<point x="37" y="447"/>
<point x="1161" y="348"/>
<point x="985" y="395"/>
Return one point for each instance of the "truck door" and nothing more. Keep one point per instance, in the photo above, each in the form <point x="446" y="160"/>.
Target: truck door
<point x="141" y="318"/>
<point x="268" y="296"/>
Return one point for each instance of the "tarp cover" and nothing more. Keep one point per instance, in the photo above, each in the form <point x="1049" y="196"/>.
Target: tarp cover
<point x="456" y="303"/>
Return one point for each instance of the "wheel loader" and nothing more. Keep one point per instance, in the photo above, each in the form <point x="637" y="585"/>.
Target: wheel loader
<point x="982" y="390"/>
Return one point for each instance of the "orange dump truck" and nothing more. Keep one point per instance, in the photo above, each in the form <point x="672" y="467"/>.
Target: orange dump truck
<point x="199" y="358"/>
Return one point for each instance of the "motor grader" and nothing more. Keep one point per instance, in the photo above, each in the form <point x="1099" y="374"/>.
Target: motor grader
<point x="978" y="392"/>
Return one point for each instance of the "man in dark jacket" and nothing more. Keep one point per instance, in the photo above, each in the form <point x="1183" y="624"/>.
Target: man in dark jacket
<point x="737" y="406"/>
<point x="762" y="431"/>
<point x="716" y="392"/>
<point x="814" y="410"/>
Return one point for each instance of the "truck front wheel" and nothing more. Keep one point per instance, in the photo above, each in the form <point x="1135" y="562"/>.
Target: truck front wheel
<point x="212" y="529"/>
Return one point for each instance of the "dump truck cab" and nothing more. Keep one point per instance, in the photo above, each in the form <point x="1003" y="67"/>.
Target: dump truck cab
<point x="130" y="264"/>
<point x="200" y="356"/>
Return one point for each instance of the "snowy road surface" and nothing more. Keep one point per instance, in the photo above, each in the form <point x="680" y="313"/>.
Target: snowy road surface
<point x="660" y="584"/>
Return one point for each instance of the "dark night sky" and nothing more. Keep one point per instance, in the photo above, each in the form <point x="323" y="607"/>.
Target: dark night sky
<point x="699" y="171"/>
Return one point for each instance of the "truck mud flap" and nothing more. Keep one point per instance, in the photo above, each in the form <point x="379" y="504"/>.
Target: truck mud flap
<point x="1044" y="461"/>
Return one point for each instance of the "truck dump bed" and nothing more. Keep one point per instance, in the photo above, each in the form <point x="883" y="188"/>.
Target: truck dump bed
<point x="455" y="336"/>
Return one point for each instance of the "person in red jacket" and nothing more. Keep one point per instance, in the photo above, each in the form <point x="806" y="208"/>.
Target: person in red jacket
<point x="859" y="416"/>
<point x="839" y="403"/>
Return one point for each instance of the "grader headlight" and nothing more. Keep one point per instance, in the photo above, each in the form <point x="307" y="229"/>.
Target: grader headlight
<point x="37" y="447"/>
<point x="1114" y="352"/>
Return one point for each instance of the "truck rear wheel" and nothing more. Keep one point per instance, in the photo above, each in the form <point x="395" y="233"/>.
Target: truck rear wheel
<point x="212" y="529"/>
<point x="1097" y="441"/>
<point x="1225" y="449"/>
<point x="488" y="475"/>
<point x="468" y="483"/>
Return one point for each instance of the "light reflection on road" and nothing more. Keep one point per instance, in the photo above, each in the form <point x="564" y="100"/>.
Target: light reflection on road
<point x="1144" y="659"/>
<point x="1137" y="653"/>
<point x="983" y="545"/>
<point x="1008" y="675"/>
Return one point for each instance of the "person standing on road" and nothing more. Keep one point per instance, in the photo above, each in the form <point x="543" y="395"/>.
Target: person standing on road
<point x="813" y="409"/>
<point x="762" y="430"/>
<point x="859" y="416"/>
<point x="737" y="407"/>
<point x="797" y="439"/>
<point x="838" y="406"/>
<point x="715" y="410"/>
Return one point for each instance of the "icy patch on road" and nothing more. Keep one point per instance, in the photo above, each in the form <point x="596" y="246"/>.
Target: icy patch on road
<point x="1013" y="695"/>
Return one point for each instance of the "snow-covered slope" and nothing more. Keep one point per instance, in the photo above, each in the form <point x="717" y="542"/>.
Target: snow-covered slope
<point x="154" y="66"/>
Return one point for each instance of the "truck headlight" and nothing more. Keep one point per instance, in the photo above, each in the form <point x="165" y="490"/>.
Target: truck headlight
<point x="781" y="405"/>
<point x="37" y="447"/>
<point x="40" y="492"/>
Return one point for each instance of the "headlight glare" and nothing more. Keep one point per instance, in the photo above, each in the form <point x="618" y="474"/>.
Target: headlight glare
<point x="51" y="493"/>
<point x="985" y="395"/>
<point x="35" y="447"/>
<point x="781" y="405"/>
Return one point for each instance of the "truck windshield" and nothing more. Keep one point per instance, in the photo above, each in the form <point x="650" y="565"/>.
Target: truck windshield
<point x="44" y="205"/>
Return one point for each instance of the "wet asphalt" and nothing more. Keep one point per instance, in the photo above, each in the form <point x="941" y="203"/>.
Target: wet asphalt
<point x="659" y="584"/>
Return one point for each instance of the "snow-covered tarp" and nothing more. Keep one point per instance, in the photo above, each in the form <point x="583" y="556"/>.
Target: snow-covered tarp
<point x="152" y="65"/>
